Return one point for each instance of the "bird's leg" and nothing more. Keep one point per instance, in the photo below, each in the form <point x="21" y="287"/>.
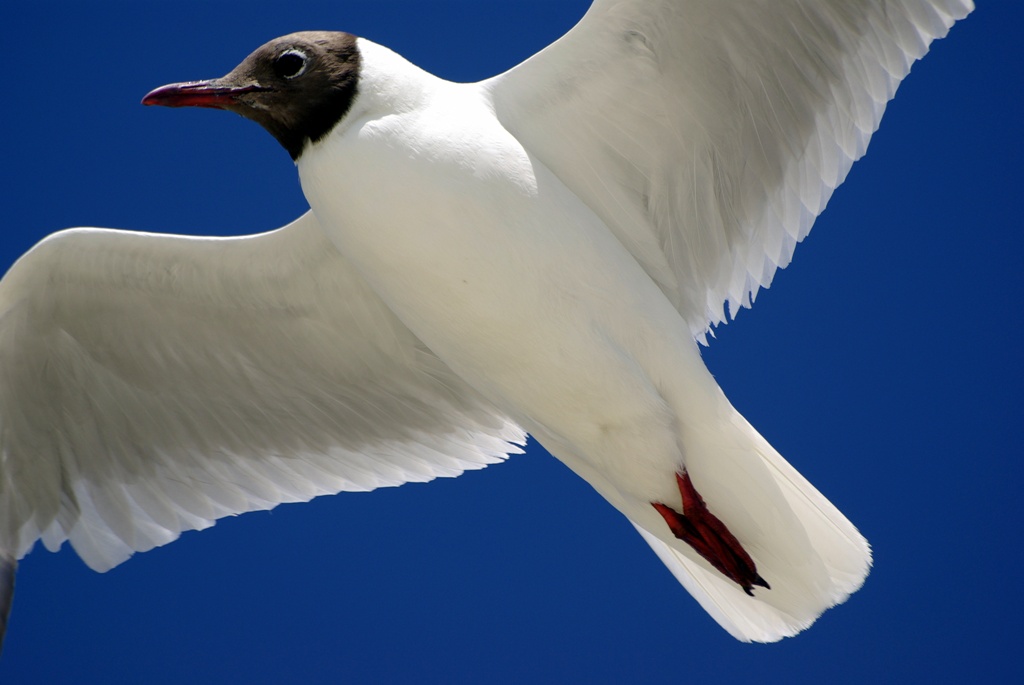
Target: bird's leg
<point x="708" y="536"/>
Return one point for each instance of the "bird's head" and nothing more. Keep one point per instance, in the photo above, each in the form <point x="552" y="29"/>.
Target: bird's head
<point x="297" y="87"/>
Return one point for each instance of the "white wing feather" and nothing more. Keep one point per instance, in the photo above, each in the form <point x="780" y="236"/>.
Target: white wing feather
<point x="709" y="134"/>
<point x="151" y="384"/>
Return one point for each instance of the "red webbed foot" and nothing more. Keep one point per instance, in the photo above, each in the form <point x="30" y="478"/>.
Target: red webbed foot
<point x="709" y="537"/>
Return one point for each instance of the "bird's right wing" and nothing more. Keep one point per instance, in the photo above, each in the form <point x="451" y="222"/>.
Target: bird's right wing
<point x="709" y="134"/>
<point x="151" y="384"/>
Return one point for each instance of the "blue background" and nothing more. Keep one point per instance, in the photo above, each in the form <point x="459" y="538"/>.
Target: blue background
<point x="885" y="363"/>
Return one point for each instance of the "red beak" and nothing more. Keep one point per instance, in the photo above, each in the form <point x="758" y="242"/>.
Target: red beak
<point x="198" y="94"/>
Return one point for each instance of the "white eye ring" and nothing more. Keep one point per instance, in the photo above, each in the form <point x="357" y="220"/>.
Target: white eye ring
<point x="296" y="53"/>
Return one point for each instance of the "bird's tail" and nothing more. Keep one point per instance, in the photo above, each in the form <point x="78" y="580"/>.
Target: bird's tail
<point x="808" y="552"/>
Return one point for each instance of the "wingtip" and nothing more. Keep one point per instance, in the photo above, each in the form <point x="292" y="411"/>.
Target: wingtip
<point x="8" y="568"/>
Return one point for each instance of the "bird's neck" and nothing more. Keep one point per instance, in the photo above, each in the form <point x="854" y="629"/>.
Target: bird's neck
<point x="388" y="84"/>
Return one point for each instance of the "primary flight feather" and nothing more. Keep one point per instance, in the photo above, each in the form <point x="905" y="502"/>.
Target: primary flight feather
<point x="616" y="195"/>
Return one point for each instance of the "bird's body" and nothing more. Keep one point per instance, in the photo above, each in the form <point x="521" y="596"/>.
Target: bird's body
<point x="473" y="268"/>
<point x="615" y="386"/>
<point x="476" y="225"/>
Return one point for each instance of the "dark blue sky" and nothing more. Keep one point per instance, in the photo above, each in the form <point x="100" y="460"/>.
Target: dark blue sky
<point x="885" y="364"/>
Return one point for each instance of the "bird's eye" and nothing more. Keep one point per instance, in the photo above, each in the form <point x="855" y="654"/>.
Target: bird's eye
<point x="290" y="63"/>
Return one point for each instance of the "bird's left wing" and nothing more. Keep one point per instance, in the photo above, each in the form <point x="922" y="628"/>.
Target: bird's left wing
<point x="709" y="134"/>
<point x="151" y="384"/>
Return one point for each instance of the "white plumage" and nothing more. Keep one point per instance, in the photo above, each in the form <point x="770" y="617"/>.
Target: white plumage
<point x="609" y="195"/>
<point x="171" y="381"/>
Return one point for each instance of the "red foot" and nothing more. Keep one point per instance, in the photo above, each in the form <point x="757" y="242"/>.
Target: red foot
<point x="709" y="537"/>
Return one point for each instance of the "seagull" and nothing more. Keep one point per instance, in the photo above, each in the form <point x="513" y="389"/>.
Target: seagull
<point x="616" y="195"/>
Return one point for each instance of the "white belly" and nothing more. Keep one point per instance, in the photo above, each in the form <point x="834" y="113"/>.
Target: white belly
<point x="515" y="284"/>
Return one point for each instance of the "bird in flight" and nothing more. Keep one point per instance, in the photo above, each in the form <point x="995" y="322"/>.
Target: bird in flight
<point x="539" y="253"/>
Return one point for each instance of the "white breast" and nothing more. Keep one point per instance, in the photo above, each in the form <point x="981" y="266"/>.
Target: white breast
<point x="493" y="262"/>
